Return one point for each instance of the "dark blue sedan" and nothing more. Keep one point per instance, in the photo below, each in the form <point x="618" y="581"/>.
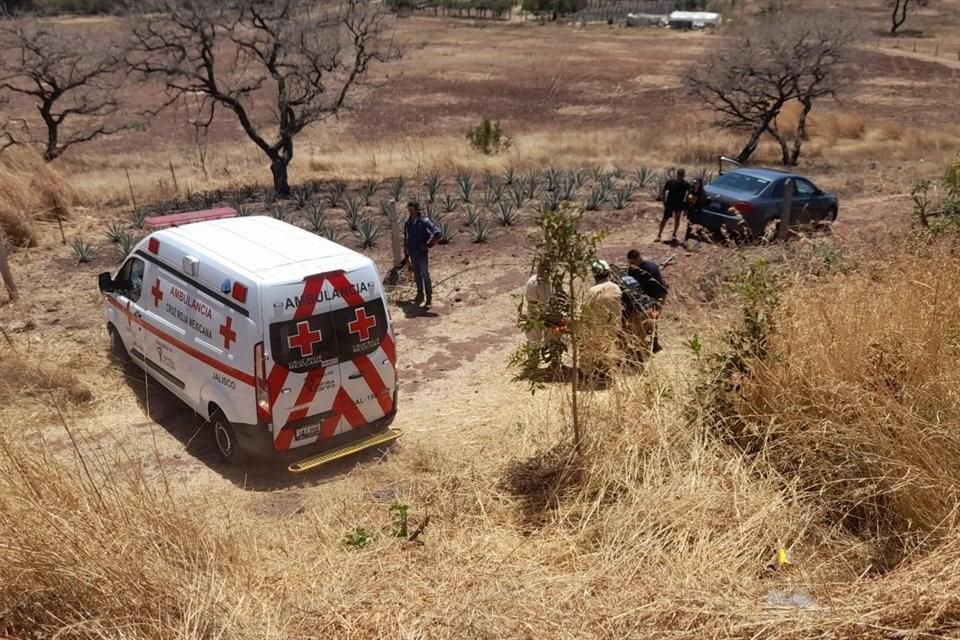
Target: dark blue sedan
<point x="748" y="202"/>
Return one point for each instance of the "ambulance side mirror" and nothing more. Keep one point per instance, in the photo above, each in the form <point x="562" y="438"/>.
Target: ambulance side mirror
<point x="106" y="283"/>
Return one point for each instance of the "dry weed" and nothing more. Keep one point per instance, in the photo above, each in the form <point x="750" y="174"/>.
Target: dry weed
<point x="30" y="190"/>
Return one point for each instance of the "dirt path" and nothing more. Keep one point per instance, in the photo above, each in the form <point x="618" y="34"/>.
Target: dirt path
<point x="456" y="391"/>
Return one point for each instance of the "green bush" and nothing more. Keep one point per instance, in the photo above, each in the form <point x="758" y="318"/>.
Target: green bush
<point x="488" y="138"/>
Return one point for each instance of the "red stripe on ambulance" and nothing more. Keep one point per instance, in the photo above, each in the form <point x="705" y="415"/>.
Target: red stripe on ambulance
<point x="241" y="376"/>
<point x="373" y="379"/>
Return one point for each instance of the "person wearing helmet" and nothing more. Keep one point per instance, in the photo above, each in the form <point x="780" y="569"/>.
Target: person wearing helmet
<point x="601" y="319"/>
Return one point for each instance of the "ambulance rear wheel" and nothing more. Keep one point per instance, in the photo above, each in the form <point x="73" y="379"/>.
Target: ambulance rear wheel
<point x="224" y="438"/>
<point x="117" y="351"/>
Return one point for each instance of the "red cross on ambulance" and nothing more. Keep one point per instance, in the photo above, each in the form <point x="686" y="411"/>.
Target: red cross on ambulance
<point x="157" y="293"/>
<point x="229" y="335"/>
<point x="304" y="340"/>
<point x="362" y="324"/>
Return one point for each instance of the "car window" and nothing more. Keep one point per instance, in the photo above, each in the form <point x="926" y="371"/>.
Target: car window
<point x="740" y="182"/>
<point x="804" y="187"/>
<point x="130" y="278"/>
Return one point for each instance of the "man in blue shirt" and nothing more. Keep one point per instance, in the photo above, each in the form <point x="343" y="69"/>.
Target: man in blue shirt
<point x="419" y="237"/>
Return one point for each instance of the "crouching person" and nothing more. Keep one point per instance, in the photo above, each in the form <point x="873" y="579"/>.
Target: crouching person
<point x="601" y="321"/>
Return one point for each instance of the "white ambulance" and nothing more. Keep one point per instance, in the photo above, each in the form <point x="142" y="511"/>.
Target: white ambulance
<point x="281" y="339"/>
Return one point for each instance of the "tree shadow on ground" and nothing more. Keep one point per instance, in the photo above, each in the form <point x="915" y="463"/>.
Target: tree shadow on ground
<point x="541" y="481"/>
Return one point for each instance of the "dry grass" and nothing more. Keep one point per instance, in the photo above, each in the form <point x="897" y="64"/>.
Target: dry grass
<point x="860" y="400"/>
<point x="23" y="377"/>
<point x="661" y="530"/>
<point x="30" y="190"/>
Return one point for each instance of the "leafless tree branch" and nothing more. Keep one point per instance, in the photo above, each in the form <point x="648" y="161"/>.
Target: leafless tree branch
<point x="73" y="85"/>
<point x="778" y="61"/>
<point x="304" y="59"/>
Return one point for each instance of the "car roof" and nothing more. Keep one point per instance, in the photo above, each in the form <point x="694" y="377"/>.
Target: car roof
<point x="264" y="248"/>
<point x="766" y="174"/>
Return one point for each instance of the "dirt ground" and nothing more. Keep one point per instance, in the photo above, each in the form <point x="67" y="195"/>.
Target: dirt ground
<point x="546" y="84"/>
<point x="571" y="98"/>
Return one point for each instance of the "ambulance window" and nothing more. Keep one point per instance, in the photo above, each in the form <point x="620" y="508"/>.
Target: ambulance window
<point x="361" y="329"/>
<point x="131" y="277"/>
<point x="302" y="345"/>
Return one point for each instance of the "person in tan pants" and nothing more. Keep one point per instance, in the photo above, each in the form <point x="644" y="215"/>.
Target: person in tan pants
<point x="601" y="317"/>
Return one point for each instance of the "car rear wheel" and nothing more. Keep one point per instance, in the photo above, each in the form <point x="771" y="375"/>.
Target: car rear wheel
<point x="831" y="215"/>
<point x="224" y="438"/>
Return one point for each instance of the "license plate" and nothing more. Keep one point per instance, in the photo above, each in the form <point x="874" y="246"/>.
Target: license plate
<point x="307" y="432"/>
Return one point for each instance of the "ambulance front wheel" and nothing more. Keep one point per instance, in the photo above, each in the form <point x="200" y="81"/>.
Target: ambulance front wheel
<point x="117" y="350"/>
<point x="224" y="438"/>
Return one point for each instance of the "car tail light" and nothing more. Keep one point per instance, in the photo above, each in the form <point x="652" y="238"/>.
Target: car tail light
<point x="260" y="382"/>
<point x="153" y="245"/>
<point x="743" y="207"/>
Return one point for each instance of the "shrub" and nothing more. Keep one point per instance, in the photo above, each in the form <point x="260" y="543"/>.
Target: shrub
<point x="300" y="196"/>
<point x="114" y="231"/>
<point x="480" y="231"/>
<point x="448" y="203"/>
<point x="124" y="245"/>
<point x="506" y="214"/>
<point x="330" y="233"/>
<point x="315" y="215"/>
<point x="488" y="138"/>
<point x="398" y="188"/>
<point x="447" y="232"/>
<point x="465" y="184"/>
<point x="368" y="190"/>
<point x="596" y="199"/>
<point x="620" y="199"/>
<point x="642" y="177"/>
<point x="519" y="193"/>
<point x="335" y="193"/>
<point x="83" y="251"/>
<point x="433" y="185"/>
<point x="138" y="217"/>
<point x="352" y="210"/>
<point x="471" y="215"/>
<point x="492" y="195"/>
<point x="367" y="232"/>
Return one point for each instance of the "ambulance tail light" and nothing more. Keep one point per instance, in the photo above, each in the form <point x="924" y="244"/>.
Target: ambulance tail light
<point x="239" y="292"/>
<point x="260" y="380"/>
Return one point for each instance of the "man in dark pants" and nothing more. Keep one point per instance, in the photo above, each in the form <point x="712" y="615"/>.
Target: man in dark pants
<point x="648" y="276"/>
<point x="419" y="237"/>
<point x="674" y="196"/>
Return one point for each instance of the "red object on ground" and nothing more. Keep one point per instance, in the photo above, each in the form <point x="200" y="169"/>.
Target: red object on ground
<point x="177" y="219"/>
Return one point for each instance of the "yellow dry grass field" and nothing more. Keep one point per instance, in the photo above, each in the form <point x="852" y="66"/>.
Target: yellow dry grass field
<point x="786" y="468"/>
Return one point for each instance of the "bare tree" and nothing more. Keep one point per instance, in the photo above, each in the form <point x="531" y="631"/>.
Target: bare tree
<point x="278" y="66"/>
<point x="757" y="73"/>
<point x="72" y="83"/>
<point x="900" y="9"/>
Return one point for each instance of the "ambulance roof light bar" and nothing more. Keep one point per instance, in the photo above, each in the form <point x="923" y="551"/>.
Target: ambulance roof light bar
<point x="176" y="219"/>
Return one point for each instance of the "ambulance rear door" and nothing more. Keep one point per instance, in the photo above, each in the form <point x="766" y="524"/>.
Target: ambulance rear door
<point x="366" y="349"/>
<point x="303" y="376"/>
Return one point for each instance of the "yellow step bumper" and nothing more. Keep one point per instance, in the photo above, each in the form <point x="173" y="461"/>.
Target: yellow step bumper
<point x="343" y="451"/>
